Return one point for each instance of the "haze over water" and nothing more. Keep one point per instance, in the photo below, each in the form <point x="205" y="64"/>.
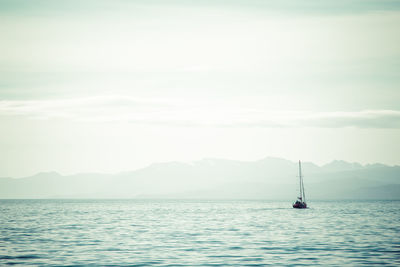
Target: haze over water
<point x="198" y="233"/>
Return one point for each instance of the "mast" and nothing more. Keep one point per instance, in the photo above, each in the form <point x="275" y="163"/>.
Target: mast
<point x="301" y="193"/>
<point x="302" y="183"/>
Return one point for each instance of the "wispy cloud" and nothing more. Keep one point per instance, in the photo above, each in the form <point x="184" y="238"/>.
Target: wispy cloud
<point x="175" y="112"/>
<point x="360" y="119"/>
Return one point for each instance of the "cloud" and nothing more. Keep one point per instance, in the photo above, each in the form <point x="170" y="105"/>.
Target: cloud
<point x="360" y="119"/>
<point x="100" y="7"/>
<point x="175" y="112"/>
<point x="87" y="108"/>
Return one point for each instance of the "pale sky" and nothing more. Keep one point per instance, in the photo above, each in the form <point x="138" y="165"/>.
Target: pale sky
<point x="109" y="86"/>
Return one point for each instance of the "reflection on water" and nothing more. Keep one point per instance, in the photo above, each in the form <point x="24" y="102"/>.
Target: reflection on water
<point x="183" y="232"/>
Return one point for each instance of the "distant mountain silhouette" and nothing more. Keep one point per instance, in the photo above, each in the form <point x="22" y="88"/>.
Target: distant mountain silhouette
<point x="268" y="178"/>
<point x="340" y="165"/>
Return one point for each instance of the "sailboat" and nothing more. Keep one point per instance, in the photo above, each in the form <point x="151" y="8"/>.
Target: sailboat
<point x="301" y="200"/>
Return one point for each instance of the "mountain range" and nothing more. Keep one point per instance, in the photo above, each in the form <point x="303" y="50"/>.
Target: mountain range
<point x="269" y="178"/>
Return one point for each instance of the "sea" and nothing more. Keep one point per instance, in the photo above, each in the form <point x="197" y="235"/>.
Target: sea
<point x="198" y="233"/>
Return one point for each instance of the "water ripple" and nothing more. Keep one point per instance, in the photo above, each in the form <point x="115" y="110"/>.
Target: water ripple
<point x="198" y="233"/>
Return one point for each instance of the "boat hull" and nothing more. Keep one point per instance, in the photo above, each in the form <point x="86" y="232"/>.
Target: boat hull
<point x="300" y="205"/>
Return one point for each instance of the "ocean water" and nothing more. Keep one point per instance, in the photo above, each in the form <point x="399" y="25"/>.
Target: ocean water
<point x="198" y="233"/>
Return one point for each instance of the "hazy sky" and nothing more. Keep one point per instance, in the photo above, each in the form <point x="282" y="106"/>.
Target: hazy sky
<point x="108" y="86"/>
